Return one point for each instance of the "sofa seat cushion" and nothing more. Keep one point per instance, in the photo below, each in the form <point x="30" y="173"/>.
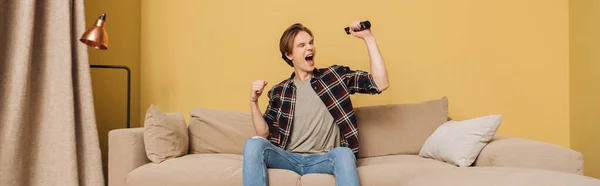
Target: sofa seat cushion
<point x="412" y="170"/>
<point x="202" y="169"/>
<point x="389" y="170"/>
<point x="498" y="176"/>
<point x="408" y="161"/>
<point x="383" y="170"/>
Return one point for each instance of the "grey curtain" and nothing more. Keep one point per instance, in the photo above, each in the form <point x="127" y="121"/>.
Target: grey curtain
<point x="48" y="133"/>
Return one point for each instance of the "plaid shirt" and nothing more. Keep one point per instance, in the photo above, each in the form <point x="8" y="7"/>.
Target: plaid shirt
<point x="334" y="85"/>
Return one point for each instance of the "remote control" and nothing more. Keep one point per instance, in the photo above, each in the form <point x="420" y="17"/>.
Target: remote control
<point x="363" y="26"/>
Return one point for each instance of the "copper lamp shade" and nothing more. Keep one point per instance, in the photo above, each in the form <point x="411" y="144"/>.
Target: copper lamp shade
<point x="96" y="36"/>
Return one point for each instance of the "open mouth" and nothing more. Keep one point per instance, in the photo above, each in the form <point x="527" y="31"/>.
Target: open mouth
<point x="309" y="57"/>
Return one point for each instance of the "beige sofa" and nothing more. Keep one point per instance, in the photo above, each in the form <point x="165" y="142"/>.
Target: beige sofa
<point x="390" y="135"/>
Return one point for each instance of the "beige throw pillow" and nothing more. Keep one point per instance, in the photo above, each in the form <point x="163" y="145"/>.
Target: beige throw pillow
<point x="165" y="135"/>
<point x="460" y="142"/>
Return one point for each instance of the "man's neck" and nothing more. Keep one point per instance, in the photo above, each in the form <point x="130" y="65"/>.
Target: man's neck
<point x="302" y="75"/>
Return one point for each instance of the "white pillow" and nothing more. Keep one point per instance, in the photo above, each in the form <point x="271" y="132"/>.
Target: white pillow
<point x="460" y="142"/>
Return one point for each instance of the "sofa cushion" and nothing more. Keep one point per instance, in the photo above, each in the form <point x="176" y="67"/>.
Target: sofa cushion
<point x="412" y="170"/>
<point x="219" y="131"/>
<point x="498" y="176"/>
<point x="383" y="129"/>
<point x="383" y="170"/>
<point x="165" y="135"/>
<point x="527" y="153"/>
<point x="202" y="169"/>
<point x="399" y="128"/>
<point x="317" y="179"/>
<point x="459" y="142"/>
<point x="412" y="162"/>
<point x="389" y="170"/>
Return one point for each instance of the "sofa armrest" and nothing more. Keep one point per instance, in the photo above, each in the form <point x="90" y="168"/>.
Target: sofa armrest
<point x="126" y="152"/>
<point x="518" y="152"/>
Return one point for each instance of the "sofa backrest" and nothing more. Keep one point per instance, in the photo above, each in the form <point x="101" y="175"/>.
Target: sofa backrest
<point x="219" y="131"/>
<point x="398" y="128"/>
<point x="383" y="129"/>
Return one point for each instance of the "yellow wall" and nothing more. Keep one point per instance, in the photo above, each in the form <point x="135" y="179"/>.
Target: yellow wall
<point x="506" y="56"/>
<point x="110" y="85"/>
<point x="585" y="75"/>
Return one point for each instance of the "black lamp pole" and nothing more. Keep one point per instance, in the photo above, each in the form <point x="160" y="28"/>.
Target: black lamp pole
<point x="128" y="84"/>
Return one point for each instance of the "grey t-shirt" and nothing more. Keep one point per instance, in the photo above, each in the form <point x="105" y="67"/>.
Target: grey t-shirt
<point x="313" y="130"/>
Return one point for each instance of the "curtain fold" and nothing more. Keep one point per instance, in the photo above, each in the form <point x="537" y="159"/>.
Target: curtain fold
<point x="48" y="133"/>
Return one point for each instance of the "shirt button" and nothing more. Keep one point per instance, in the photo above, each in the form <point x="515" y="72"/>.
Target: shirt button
<point x="315" y="88"/>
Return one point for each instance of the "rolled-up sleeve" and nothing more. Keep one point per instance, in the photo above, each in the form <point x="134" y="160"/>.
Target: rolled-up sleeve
<point x="358" y="81"/>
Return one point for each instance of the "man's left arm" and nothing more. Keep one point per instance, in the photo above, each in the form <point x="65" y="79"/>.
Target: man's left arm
<point x="378" y="69"/>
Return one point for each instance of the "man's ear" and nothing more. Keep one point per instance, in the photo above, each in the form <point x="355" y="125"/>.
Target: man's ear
<point x="289" y="56"/>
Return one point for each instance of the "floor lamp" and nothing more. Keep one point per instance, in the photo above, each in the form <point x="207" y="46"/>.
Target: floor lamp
<point x="96" y="37"/>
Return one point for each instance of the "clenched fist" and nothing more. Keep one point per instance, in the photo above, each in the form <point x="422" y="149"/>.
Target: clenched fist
<point x="257" y="89"/>
<point x="359" y="34"/>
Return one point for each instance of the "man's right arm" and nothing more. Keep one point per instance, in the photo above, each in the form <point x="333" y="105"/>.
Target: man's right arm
<point x="260" y="125"/>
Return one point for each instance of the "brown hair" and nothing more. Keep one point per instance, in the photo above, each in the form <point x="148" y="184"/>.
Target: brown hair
<point x="286" y="41"/>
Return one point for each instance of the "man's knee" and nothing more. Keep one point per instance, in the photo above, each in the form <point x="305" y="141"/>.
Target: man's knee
<point x="255" y="144"/>
<point x="343" y="153"/>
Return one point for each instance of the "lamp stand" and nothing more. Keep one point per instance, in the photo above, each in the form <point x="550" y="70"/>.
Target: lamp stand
<point x="128" y="85"/>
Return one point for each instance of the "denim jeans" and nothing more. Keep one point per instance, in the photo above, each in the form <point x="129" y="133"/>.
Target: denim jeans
<point x="260" y="154"/>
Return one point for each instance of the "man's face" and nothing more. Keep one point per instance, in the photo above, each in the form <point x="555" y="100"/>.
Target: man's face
<point x="303" y="52"/>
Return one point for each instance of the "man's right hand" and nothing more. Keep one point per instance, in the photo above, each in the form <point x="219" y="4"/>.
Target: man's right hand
<point x="257" y="89"/>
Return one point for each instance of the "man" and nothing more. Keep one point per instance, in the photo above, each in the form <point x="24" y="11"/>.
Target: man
<point x="309" y="125"/>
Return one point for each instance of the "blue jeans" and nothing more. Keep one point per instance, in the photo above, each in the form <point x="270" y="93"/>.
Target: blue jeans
<point x="260" y="154"/>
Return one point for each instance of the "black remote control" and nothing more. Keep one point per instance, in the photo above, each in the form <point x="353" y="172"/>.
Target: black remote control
<point x="363" y="26"/>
